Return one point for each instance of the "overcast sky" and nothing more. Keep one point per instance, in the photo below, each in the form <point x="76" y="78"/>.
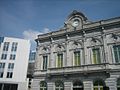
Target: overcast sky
<point x="27" y="18"/>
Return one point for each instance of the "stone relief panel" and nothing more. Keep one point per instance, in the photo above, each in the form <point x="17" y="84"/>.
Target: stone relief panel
<point x="76" y="44"/>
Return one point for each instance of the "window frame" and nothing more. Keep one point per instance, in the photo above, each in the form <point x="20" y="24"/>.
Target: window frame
<point x="118" y="53"/>
<point x="80" y="86"/>
<point x="6" y="46"/>
<point x="9" y="75"/>
<point x="2" y="65"/>
<point x="59" y="62"/>
<point x="3" y="56"/>
<point x="97" y="55"/>
<point x="12" y="56"/>
<point x="44" y="87"/>
<point x="1" y="74"/>
<point x="14" y="46"/>
<point x="10" y="66"/>
<point x="78" y="56"/>
<point x="45" y="62"/>
<point x="60" y="85"/>
<point x="98" y="84"/>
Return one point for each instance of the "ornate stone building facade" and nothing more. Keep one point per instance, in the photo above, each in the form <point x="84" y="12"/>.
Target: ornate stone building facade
<point x="82" y="55"/>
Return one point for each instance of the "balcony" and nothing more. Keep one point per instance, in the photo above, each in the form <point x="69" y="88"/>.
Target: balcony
<point x="79" y="69"/>
<point x="84" y="69"/>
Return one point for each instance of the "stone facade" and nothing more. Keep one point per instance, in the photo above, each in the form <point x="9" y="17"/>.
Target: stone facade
<point x="82" y="55"/>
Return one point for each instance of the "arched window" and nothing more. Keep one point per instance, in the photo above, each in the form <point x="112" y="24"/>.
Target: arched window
<point x="77" y="85"/>
<point x="59" y="85"/>
<point x="43" y="85"/>
<point x="118" y="84"/>
<point x="99" y="85"/>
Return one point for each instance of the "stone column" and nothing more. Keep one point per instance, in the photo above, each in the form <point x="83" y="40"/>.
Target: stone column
<point x="67" y="86"/>
<point x="88" y="85"/>
<point x="50" y="86"/>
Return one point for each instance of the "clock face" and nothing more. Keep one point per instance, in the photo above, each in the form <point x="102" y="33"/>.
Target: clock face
<point x="75" y="23"/>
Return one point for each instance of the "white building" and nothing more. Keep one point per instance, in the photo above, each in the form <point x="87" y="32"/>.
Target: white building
<point x="14" y="56"/>
<point x="82" y="55"/>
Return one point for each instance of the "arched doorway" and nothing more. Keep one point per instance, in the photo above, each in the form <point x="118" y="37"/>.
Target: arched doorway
<point x="77" y="85"/>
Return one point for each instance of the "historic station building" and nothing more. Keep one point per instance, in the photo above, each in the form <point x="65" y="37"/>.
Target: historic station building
<point x="82" y="55"/>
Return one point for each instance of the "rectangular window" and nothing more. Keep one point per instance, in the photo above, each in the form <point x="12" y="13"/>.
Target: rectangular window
<point x="2" y="66"/>
<point x="96" y="56"/>
<point x="9" y="74"/>
<point x="60" y="60"/>
<point x="12" y="57"/>
<point x="4" y="56"/>
<point x="77" y="58"/>
<point x="1" y="74"/>
<point x="14" y="46"/>
<point x="45" y="60"/>
<point x="6" y="46"/>
<point x="8" y="86"/>
<point x="117" y="53"/>
<point x="10" y="66"/>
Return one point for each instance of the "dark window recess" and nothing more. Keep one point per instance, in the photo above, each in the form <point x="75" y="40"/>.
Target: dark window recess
<point x="9" y="74"/>
<point x="7" y="86"/>
<point x="1" y="74"/>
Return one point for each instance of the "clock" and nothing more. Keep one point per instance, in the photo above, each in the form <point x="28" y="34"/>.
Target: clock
<point x="75" y="23"/>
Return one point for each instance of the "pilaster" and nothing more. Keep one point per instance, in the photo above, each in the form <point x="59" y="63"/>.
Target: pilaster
<point x="50" y="86"/>
<point x="88" y="85"/>
<point x="67" y="85"/>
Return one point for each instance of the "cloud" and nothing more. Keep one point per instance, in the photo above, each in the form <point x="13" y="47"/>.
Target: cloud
<point x="32" y="34"/>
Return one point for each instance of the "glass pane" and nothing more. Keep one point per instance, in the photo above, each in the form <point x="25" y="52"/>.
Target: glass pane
<point x="119" y="57"/>
<point x="78" y="58"/>
<point x="60" y="60"/>
<point x="98" y="56"/>
<point x="95" y="88"/>
<point x="118" y="88"/>
<point x="101" y="88"/>
<point x="75" y="58"/>
<point x="94" y="56"/>
<point x="45" y="62"/>
<point x="116" y="55"/>
<point x="118" y="83"/>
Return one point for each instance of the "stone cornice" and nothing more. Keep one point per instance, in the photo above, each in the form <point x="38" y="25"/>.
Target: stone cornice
<point x="107" y="24"/>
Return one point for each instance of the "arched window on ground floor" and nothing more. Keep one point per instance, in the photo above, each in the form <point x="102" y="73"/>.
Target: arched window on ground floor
<point x="99" y="84"/>
<point x="77" y="85"/>
<point x="59" y="85"/>
<point x="118" y="84"/>
<point x="43" y="85"/>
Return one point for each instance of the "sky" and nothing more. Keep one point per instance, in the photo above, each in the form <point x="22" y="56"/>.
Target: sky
<point x="28" y="18"/>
